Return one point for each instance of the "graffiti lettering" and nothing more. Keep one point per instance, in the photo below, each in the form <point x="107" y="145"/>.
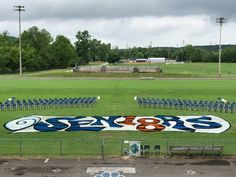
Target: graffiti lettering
<point x="128" y="120"/>
<point x="149" y="125"/>
<point x="178" y="123"/>
<point x="206" y="124"/>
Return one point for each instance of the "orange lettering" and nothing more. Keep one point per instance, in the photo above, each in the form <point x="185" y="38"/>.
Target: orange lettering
<point x="149" y="125"/>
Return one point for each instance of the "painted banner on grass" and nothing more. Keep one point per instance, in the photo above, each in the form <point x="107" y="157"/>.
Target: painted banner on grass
<point x="35" y="123"/>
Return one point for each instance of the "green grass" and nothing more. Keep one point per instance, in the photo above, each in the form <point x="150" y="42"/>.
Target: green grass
<point x="192" y="69"/>
<point x="117" y="99"/>
<point x="187" y="70"/>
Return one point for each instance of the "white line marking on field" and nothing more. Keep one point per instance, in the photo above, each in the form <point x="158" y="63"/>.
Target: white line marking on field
<point x="128" y="170"/>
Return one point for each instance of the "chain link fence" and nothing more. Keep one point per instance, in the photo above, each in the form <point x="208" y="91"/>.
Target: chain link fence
<point x="101" y="148"/>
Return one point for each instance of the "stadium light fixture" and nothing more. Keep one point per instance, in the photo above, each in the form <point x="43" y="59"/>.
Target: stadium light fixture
<point x="220" y="20"/>
<point x="20" y="9"/>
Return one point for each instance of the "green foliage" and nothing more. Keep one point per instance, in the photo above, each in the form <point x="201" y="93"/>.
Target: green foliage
<point x="8" y="55"/>
<point x="90" y="49"/>
<point x="113" y="56"/>
<point x="188" y="53"/>
<point x="103" y="51"/>
<point x="229" y="55"/>
<point x="40" y="41"/>
<point x="63" y="52"/>
<point x="31" y="60"/>
<point x="82" y="45"/>
<point x="41" y="52"/>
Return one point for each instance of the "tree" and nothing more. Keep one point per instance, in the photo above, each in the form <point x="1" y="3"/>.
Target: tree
<point x="93" y="49"/>
<point x="30" y="60"/>
<point x="113" y="56"/>
<point x="8" y="55"/>
<point x="63" y="52"/>
<point x="83" y="46"/>
<point x="8" y="59"/>
<point x="40" y="40"/>
<point x="189" y="53"/>
<point x="103" y="51"/>
<point x="229" y="54"/>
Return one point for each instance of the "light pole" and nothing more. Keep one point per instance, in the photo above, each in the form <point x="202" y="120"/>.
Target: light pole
<point x="220" y="20"/>
<point x="20" y="9"/>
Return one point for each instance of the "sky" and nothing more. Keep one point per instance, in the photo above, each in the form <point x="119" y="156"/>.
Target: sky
<point x="127" y="23"/>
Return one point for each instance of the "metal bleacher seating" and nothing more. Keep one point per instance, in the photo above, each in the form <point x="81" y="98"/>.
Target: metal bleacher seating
<point x="183" y="104"/>
<point x="44" y="103"/>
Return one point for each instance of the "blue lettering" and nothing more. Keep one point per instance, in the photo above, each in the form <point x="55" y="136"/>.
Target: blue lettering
<point x="110" y="121"/>
<point x="76" y="124"/>
<point x="179" y="124"/>
<point x="80" y="124"/>
<point x="51" y="125"/>
<point x="205" y="123"/>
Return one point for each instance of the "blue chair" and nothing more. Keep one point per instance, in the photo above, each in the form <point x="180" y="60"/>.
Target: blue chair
<point x="25" y="105"/>
<point x="232" y="107"/>
<point x="2" y="107"/>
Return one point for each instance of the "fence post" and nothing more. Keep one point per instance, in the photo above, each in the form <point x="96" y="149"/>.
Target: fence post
<point x="20" y="148"/>
<point x="213" y="144"/>
<point x="102" y="149"/>
<point x="60" y="147"/>
<point x="167" y="144"/>
<point x="121" y="148"/>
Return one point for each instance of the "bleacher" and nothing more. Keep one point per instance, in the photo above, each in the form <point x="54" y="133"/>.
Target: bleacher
<point x="183" y="104"/>
<point x="47" y="103"/>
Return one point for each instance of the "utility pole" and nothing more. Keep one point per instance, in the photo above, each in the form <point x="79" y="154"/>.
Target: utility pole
<point x="20" y="9"/>
<point x="220" y="20"/>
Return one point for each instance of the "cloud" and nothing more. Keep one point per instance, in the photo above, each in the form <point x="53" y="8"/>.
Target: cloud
<point x="139" y="31"/>
<point x="132" y="22"/>
<point x="109" y="9"/>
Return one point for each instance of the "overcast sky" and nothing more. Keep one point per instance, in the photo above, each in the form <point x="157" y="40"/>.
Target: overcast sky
<point x="127" y="23"/>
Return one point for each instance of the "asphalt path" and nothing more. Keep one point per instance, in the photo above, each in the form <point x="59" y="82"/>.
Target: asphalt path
<point x="118" y="167"/>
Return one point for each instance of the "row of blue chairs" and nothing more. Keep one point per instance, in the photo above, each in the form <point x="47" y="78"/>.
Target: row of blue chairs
<point x="194" y="105"/>
<point x="44" y="103"/>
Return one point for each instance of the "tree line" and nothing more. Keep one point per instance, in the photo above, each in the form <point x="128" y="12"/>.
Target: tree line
<point x="41" y="52"/>
<point x="188" y="53"/>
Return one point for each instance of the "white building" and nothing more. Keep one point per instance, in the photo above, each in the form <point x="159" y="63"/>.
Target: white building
<point x="156" y="60"/>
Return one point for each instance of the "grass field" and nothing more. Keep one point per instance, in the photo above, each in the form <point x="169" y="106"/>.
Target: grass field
<point x="189" y="70"/>
<point x="116" y="99"/>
